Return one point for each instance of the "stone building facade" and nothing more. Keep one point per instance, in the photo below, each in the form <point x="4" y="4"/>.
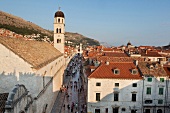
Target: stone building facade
<point x="37" y="66"/>
<point x="113" y="88"/>
<point x="127" y="87"/>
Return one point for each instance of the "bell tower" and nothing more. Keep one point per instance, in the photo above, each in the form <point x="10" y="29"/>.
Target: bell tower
<point x="59" y="31"/>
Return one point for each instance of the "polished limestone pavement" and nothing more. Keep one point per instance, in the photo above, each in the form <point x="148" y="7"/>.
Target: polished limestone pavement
<point x="64" y="103"/>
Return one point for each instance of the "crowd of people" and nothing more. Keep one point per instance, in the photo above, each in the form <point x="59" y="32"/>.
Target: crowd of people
<point x="74" y="87"/>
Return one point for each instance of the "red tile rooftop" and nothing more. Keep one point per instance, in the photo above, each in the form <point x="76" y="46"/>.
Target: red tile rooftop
<point x="118" y="59"/>
<point x="107" y="49"/>
<point x="156" y="71"/>
<point x="92" y="67"/>
<point x="107" y="71"/>
<point x="146" y="47"/>
<point x="167" y="69"/>
<point x="150" y="53"/>
<point x="115" y="54"/>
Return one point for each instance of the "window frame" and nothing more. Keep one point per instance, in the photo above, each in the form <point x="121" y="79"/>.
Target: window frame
<point x="160" y="101"/>
<point x="116" y="71"/>
<point x="58" y="20"/>
<point x="148" y="92"/>
<point x="149" y="79"/>
<point x="97" y="96"/>
<point x="162" y="79"/>
<point x="134" y="71"/>
<point x="161" y="91"/>
<point x="58" y="40"/>
<point x="60" y="30"/>
<point x="116" y="84"/>
<point x="96" y="110"/>
<point x="123" y="109"/>
<point x="116" y="96"/>
<point x="133" y="97"/>
<point x="106" y="110"/>
<point x="147" y="110"/>
<point x="115" y="110"/>
<point x="98" y="83"/>
<point x="134" y="85"/>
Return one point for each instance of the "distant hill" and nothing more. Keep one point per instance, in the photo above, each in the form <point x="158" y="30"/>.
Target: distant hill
<point x="76" y="39"/>
<point x="21" y="26"/>
<point x="12" y="22"/>
<point x="105" y="44"/>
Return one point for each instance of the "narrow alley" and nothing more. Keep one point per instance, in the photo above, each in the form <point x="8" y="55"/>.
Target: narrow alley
<point x="71" y="98"/>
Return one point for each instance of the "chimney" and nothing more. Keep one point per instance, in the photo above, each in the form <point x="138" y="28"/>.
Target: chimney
<point x="136" y="62"/>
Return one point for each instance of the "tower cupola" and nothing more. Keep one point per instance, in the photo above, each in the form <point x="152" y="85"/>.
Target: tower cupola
<point x="59" y="14"/>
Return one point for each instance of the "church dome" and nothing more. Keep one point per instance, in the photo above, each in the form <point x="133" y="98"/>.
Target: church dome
<point x="129" y="43"/>
<point x="59" y="14"/>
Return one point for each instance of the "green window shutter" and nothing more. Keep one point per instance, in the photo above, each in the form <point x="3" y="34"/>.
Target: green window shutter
<point x="161" y="79"/>
<point x="148" y="91"/>
<point x="161" y="91"/>
<point x="160" y="101"/>
<point x="149" y="79"/>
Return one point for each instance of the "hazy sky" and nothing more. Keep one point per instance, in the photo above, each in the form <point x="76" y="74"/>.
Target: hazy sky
<point x="142" y="22"/>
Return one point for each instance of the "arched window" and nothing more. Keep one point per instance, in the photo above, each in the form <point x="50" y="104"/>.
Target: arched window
<point x="58" y="20"/>
<point x="159" y="111"/>
<point x="60" y="30"/>
<point x="58" y="40"/>
<point x="57" y="30"/>
<point x="62" y="20"/>
<point x="21" y="112"/>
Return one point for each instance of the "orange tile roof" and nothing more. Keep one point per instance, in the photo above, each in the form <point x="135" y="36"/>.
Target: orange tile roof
<point x="146" y="47"/>
<point x="150" y="54"/>
<point x="91" y="54"/>
<point x="115" y="54"/>
<point x="144" y="67"/>
<point x="118" y="59"/>
<point x="107" y="49"/>
<point x="106" y="71"/>
<point x="99" y="47"/>
<point x="167" y="69"/>
<point x="92" y="67"/>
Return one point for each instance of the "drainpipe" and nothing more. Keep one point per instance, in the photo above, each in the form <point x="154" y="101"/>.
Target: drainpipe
<point x="142" y="95"/>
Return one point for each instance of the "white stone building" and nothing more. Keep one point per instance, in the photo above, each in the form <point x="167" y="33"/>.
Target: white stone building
<point x="124" y="87"/>
<point x="37" y="65"/>
<point x="115" y="88"/>
<point x="155" y="88"/>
